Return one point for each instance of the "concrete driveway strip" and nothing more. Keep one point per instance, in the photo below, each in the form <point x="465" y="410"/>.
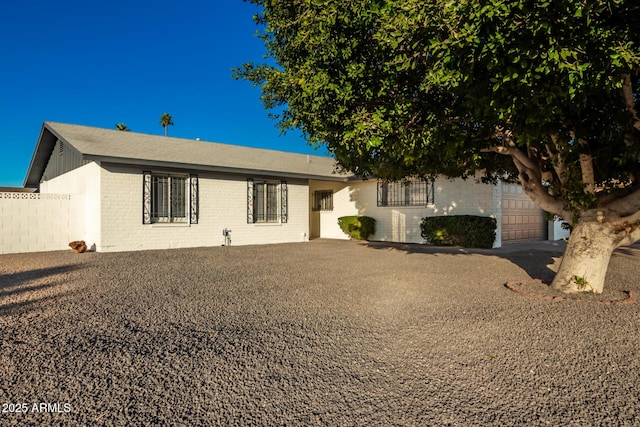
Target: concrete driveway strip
<point x="333" y="333"/>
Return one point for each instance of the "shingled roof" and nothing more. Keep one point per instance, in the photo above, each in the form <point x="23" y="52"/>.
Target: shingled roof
<point x="116" y="146"/>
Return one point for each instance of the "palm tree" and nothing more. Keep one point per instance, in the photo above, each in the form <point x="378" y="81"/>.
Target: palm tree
<point x="122" y="126"/>
<point x="165" y="121"/>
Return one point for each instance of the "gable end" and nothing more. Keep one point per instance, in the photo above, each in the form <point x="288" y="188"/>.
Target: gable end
<point x="64" y="158"/>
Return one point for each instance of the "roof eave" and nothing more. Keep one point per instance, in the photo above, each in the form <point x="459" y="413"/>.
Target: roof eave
<point x="44" y="147"/>
<point x="212" y="168"/>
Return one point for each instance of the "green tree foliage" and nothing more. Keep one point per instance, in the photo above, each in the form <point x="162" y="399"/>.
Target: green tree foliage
<point x="166" y="120"/>
<point x="414" y="87"/>
<point x="121" y="126"/>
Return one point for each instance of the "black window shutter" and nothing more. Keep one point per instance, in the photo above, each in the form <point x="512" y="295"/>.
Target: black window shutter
<point x="146" y="197"/>
<point x="249" y="200"/>
<point x="284" y="202"/>
<point x="194" y="197"/>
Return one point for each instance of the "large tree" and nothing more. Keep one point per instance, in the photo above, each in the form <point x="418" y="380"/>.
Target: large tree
<point x="542" y="92"/>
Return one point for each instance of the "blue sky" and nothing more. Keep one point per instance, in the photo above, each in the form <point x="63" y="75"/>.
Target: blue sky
<point x="101" y="63"/>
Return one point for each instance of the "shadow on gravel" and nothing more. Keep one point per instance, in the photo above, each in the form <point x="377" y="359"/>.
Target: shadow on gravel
<point x="536" y="263"/>
<point x="629" y="251"/>
<point x="8" y="281"/>
<point x="18" y="292"/>
<point x="21" y="307"/>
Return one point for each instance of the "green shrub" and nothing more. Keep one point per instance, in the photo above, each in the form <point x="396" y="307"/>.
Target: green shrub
<point x="357" y="227"/>
<point x="459" y="230"/>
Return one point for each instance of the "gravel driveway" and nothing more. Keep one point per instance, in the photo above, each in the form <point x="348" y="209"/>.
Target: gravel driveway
<point x="320" y="333"/>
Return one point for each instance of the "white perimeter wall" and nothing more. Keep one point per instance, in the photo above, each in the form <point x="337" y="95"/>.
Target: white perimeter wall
<point x="32" y="222"/>
<point x="402" y="224"/>
<point x="85" y="182"/>
<point x="223" y="204"/>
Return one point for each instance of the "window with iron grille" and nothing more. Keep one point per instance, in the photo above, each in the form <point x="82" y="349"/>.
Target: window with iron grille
<point x="265" y="201"/>
<point x="409" y="192"/>
<point x="168" y="198"/>
<point x="323" y="200"/>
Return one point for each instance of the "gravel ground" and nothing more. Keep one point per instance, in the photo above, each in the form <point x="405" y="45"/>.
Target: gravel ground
<point x="320" y="333"/>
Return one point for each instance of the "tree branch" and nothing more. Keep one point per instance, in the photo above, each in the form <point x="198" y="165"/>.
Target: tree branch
<point x="605" y="198"/>
<point x="628" y="220"/>
<point x="588" y="178"/>
<point x="626" y="205"/>
<point x="530" y="177"/>
<point x="630" y="238"/>
<point x="560" y="166"/>
<point x="586" y="167"/>
<point x="514" y="152"/>
<point x="627" y="93"/>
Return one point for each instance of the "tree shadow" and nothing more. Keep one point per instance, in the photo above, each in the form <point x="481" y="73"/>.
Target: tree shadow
<point x="20" y="291"/>
<point x="537" y="264"/>
<point x="538" y="259"/>
<point x="632" y="251"/>
<point x="12" y="280"/>
<point x="17" y="290"/>
<point x="22" y="307"/>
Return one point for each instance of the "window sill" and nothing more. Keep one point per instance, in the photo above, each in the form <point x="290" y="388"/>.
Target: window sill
<point x="170" y="224"/>
<point x="267" y="224"/>
<point x="430" y="205"/>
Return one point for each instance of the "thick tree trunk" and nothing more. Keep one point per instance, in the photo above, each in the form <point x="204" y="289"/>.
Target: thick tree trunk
<point x="585" y="262"/>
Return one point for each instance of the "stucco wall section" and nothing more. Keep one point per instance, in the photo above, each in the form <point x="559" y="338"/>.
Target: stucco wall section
<point x="223" y="204"/>
<point x="556" y="232"/>
<point x="325" y="223"/>
<point x="83" y="181"/>
<point x="402" y="224"/>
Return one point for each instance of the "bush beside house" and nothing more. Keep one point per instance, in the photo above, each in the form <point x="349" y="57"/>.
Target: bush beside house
<point x="459" y="230"/>
<point x="357" y="227"/>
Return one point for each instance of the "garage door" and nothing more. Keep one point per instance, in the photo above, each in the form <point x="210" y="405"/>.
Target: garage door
<point x="521" y="219"/>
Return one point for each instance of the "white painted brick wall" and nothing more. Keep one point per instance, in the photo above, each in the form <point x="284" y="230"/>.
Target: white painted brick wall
<point x="223" y="204"/>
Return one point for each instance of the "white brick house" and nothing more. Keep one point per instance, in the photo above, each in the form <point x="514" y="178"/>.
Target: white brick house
<point x="152" y="192"/>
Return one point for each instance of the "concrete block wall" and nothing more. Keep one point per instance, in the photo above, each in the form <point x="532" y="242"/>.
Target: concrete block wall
<point x="32" y="222"/>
